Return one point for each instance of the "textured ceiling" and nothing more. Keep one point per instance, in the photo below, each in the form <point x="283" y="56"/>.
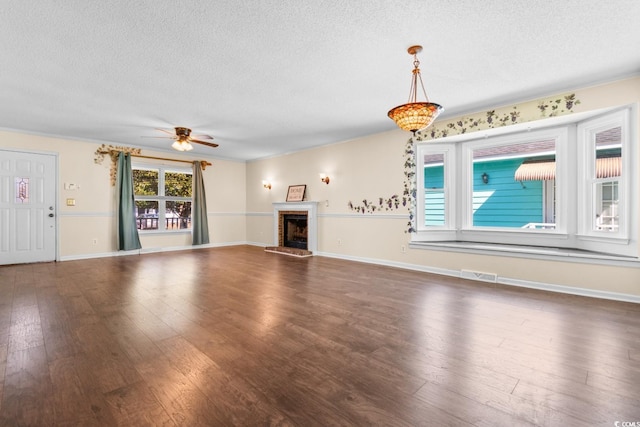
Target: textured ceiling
<point x="274" y="76"/>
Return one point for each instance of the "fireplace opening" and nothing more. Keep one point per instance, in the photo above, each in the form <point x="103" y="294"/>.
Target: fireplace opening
<point x="294" y="231"/>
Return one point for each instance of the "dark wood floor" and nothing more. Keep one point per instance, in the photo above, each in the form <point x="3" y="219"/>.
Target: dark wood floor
<point x="237" y="336"/>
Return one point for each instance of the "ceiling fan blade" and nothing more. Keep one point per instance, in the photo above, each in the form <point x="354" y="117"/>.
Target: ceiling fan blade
<point x="201" y="136"/>
<point x="208" y="144"/>
<point x="170" y="132"/>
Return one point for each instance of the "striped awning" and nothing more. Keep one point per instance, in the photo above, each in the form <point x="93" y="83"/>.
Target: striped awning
<point x="608" y="167"/>
<point x="536" y="171"/>
<point x="546" y="170"/>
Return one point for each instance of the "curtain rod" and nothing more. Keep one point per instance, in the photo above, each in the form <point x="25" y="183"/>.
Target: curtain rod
<point x="105" y="150"/>
<point x="204" y="163"/>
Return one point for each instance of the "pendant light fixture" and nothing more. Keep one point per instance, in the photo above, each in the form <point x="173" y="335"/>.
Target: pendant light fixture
<point x="414" y="116"/>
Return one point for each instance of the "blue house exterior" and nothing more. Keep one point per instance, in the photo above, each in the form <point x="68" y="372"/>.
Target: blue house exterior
<point x="500" y="202"/>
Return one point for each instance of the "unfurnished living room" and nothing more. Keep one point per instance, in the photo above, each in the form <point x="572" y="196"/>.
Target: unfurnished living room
<point x="354" y="213"/>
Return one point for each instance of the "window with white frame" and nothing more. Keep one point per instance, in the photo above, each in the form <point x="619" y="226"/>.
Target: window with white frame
<point x="566" y="184"/>
<point x="163" y="198"/>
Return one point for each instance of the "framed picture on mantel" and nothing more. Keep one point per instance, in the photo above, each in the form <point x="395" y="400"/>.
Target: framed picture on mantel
<point x="296" y="193"/>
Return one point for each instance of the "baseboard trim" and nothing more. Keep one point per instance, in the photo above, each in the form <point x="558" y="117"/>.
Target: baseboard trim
<point x="550" y="287"/>
<point x="592" y="293"/>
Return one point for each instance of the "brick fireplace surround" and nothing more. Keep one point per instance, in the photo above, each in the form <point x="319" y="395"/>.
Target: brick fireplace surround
<point x="310" y="208"/>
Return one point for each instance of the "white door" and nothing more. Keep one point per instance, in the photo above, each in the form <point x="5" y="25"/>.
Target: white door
<point x="27" y="207"/>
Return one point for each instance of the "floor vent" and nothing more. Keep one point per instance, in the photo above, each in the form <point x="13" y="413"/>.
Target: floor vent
<point x="479" y="275"/>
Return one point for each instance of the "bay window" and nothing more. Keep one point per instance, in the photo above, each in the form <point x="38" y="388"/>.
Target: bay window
<point x="561" y="183"/>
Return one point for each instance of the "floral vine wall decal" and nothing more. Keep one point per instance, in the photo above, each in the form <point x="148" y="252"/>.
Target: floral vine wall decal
<point x="522" y="113"/>
<point x="395" y="202"/>
<point x="530" y="111"/>
<point x="112" y="151"/>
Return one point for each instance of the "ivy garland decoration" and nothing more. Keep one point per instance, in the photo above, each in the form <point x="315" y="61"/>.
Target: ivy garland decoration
<point x="395" y="201"/>
<point x="491" y="119"/>
<point x="113" y="152"/>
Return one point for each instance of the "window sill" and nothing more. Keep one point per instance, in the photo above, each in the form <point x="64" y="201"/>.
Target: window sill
<point x="165" y="232"/>
<point x="531" y="252"/>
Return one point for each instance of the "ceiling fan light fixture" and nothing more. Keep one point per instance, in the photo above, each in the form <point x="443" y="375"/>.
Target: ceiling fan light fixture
<point x="182" y="145"/>
<point x="414" y="116"/>
<point x="182" y="142"/>
<point x="177" y="145"/>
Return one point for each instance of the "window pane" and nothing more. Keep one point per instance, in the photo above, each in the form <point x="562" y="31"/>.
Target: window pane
<point x="608" y="156"/>
<point x="434" y="203"/>
<point x="607" y="170"/>
<point x="158" y="199"/>
<point x="22" y="190"/>
<point x="147" y="214"/>
<point x="145" y="182"/>
<point x="607" y="216"/>
<point x="177" y="184"/>
<point x="178" y="215"/>
<point x="510" y="186"/>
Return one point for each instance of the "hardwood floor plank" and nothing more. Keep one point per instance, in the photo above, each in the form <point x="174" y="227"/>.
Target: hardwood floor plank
<point x="131" y="339"/>
<point x="183" y="401"/>
<point x="589" y="406"/>
<point x="25" y="330"/>
<point x="92" y="394"/>
<point x="237" y="336"/>
<point x="231" y="399"/>
<point x="355" y="404"/>
<point x="563" y="357"/>
<point x="27" y="391"/>
<point x="112" y="368"/>
<point x="136" y="405"/>
<point x="150" y="324"/>
<point x="3" y="368"/>
<point x="68" y="392"/>
<point x="434" y="366"/>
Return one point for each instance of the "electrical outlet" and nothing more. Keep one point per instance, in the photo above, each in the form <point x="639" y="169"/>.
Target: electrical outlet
<point x="403" y="249"/>
<point x="339" y="242"/>
<point x="95" y="241"/>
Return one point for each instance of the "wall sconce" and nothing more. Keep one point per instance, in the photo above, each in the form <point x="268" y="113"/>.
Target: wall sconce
<point x="485" y="178"/>
<point x="266" y="184"/>
<point x="324" y="178"/>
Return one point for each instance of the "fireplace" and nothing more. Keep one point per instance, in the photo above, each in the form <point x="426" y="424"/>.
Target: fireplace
<point x="294" y="230"/>
<point x="296" y="225"/>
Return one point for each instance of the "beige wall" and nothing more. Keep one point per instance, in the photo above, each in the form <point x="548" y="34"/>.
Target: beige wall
<point x="240" y="210"/>
<point x="92" y="217"/>
<point x="372" y="167"/>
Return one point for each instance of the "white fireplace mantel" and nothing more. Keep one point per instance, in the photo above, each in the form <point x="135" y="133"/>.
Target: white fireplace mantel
<point x="311" y="208"/>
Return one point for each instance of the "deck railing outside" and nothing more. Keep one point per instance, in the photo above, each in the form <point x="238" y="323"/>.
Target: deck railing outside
<point x="170" y="223"/>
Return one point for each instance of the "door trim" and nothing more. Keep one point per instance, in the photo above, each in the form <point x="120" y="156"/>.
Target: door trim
<point x="56" y="204"/>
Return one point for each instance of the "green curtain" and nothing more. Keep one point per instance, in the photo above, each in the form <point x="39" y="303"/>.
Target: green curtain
<point x="127" y="231"/>
<point x="199" y="222"/>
